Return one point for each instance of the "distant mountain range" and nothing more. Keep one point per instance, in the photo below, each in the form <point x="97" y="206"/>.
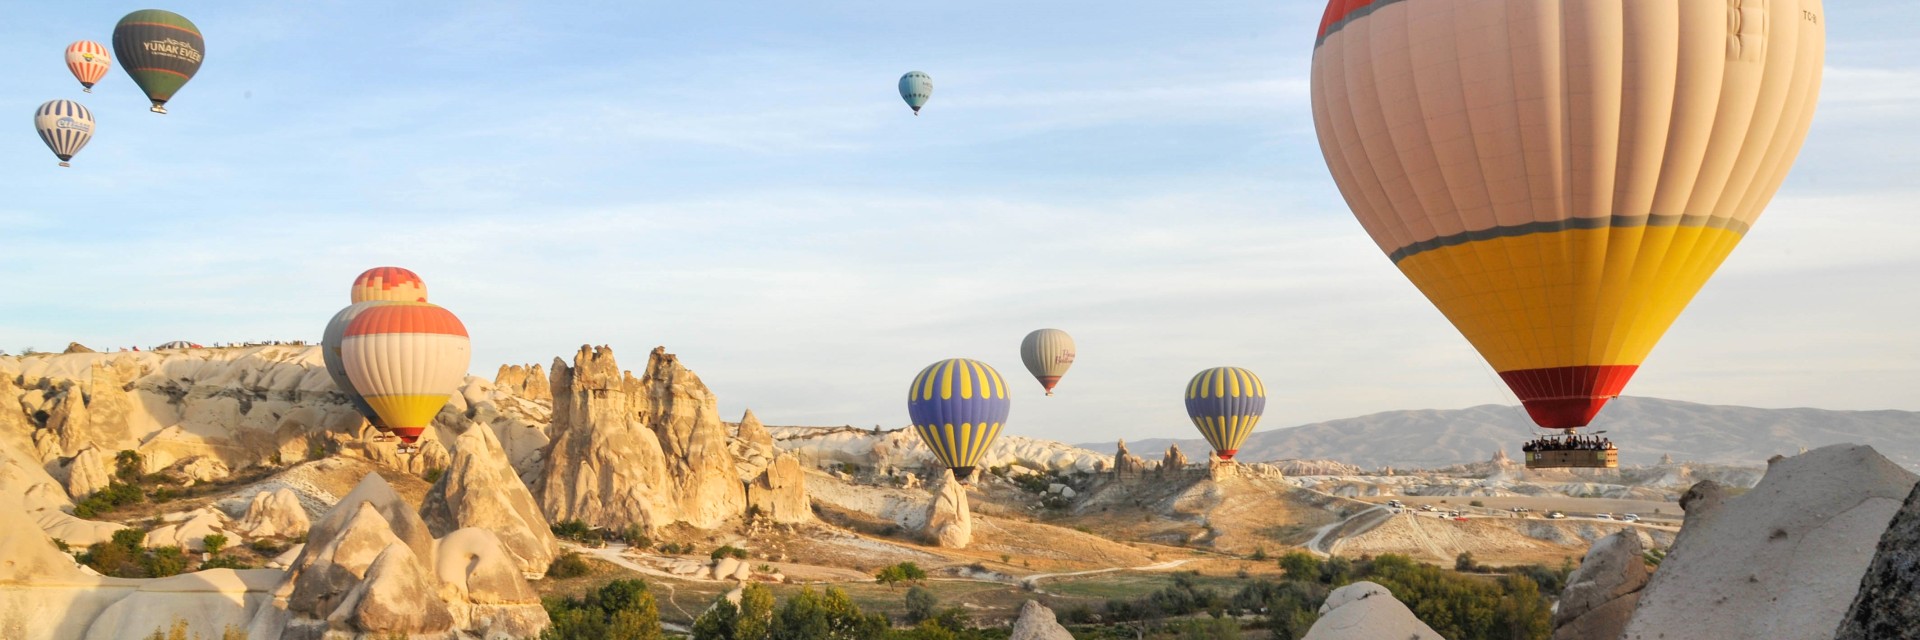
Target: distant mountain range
<point x="1644" y="428"/>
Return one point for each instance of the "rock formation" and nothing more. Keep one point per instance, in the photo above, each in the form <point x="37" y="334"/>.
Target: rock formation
<point x="75" y="347"/>
<point x="1888" y="603"/>
<point x="949" y="522"/>
<point x="1174" y="462"/>
<point x="188" y="530"/>
<point x="483" y="587"/>
<point x="649" y="450"/>
<point x="395" y="598"/>
<point x="1037" y="622"/>
<point x="780" y="492"/>
<point x="1783" y="560"/>
<point x="1500" y="458"/>
<point x="1126" y="465"/>
<point x="482" y="490"/>
<point x="275" y="514"/>
<point x="1367" y="611"/>
<point x="525" y="381"/>
<point x="1602" y="594"/>
<point x="369" y="570"/>
<point x="87" y="473"/>
<point x="1666" y="459"/>
<point x="754" y="439"/>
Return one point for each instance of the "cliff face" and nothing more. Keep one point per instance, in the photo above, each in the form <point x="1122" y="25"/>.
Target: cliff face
<point x="647" y="450"/>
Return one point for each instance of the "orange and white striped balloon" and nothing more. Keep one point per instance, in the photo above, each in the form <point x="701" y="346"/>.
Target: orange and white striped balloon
<point x="389" y="283"/>
<point x="406" y="358"/>
<point x="88" y="60"/>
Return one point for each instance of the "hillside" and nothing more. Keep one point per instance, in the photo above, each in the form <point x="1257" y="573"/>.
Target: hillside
<point x="1646" y="428"/>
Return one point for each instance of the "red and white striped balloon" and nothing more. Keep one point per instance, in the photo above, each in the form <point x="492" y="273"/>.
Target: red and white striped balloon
<point x="406" y="358"/>
<point x="88" y="60"/>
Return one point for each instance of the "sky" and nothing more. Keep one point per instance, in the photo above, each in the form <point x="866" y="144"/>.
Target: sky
<point x="741" y="183"/>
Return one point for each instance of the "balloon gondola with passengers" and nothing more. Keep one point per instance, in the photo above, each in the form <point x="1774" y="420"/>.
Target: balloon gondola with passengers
<point x="1563" y="186"/>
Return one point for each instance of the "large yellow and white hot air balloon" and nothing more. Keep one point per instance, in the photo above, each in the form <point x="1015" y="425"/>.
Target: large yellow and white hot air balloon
<point x="1560" y="178"/>
<point x="406" y="358"/>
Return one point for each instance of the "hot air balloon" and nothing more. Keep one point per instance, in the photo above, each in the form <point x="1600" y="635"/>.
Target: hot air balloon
<point x="1047" y="354"/>
<point x="958" y="407"/>
<point x="65" y="126"/>
<point x="161" y="50"/>
<point x="915" y="88"/>
<point x="89" y="62"/>
<point x="330" y="343"/>
<point x="1225" y="403"/>
<point x="1560" y="178"/>
<point x="406" y="358"/>
<point x="388" y="283"/>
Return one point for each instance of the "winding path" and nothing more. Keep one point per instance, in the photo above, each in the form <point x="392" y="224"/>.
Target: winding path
<point x="1315" y="545"/>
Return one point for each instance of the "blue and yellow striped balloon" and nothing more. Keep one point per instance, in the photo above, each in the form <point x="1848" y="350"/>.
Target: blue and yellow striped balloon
<point x="1225" y="403"/>
<point x="958" y="407"/>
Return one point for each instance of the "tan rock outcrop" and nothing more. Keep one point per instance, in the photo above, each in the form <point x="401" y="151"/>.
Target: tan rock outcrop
<point x="396" y="598"/>
<point x="755" y="434"/>
<point x="1783" y="560"/>
<point x="87" y="473"/>
<point x="1174" y="461"/>
<point x="336" y="560"/>
<point x="1601" y="595"/>
<point x="1036" y="622"/>
<point x="1126" y="465"/>
<point x="647" y="450"/>
<point x="75" y="347"/>
<point x="68" y="423"/>
<point x="525" y="381"/>
<point x="189" y="531"/>
<point x="110" y="407"/>
<point x="397" y="518"/>
<point x="949" y="521"/>
<point x="1367" y="611"/>
<point x="780" y="493"/>
<point x="275" y="514"/>
<point x="482" y="490"/>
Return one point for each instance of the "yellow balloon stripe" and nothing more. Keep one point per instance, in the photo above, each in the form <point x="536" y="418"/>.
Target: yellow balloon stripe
<point x="946" y="380"/>
<point x="1621" y="306"/>
<point x="966" y="379"/>
<point x="408" y="410"/>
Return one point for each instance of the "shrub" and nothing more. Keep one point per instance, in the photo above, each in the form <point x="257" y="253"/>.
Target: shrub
<point x="225" y="562"/>
<point x="622" y="609"/>
<point x="1476" y="503"/>
<point x="165" y="561"/>
<point x="128" y="465"/>
<point x="574" y="530"/>
<point x="1464" y="562"/>
<point x="1300" y="565"/>
<point x="728" y="551"/>
<point x="434" y="474"/>
<point x="921" y="604"/>
<point x="568" y="565"/>
<point x="636" y="537"/>
<point x="266" y="547"/>
<point x="214" y="542"/>
<point x="1260" y="554"/>
<point x="810" y="614"/>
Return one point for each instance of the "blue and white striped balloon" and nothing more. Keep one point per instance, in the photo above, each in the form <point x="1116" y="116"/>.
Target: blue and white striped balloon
<point x="958" y="407"/>
<point x="65" y="126"/>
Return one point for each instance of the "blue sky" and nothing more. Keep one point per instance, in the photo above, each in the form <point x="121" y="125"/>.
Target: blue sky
<point x="741" y="183"/>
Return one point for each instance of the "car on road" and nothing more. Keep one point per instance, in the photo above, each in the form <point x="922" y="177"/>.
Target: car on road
<point x="1630" y="518"/>
<point x="1521" y="510"/>
<point x="1395" y="503"/>
<point x="1426" y="507"/>
<point x="1460" y="518"/>
<point x="1556" y="515"/>
<point x="1603" y="516"/>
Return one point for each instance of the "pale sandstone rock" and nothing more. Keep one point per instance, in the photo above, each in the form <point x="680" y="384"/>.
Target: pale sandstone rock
<point x="190" y="532"/>
<point x="1367" y="611"/>
<point x="1783" y="560"/>
<point x="1126" y="465"/>
<point x="949" y="522"/>
<point x="1174" y="461"/>
<point x="87" y="473"/>
<point x="780" y="493"/>
<point x="334" y="563"/>
<point x="395" y="598"/>
<point x="482" y="490"/>
<point x="1036" y="622"/>
<point x="209" y="602"/>
<point x="275" y="514"/>
<point x="1601" y="595"/>
<point x="484" y="588"/>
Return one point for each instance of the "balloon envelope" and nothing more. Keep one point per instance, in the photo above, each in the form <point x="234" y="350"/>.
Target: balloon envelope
<point x="330" y="343"/>
<point x="161" y="50"/>
<point x="915" y="88"/>
<point x="958" y="407"/>
<point x="66" y="126"/>
<point x="1560" y="178"/>
<point x="388" y="283"/>
<point x="1225" y="403"/>
<point x="1047" y="353"/>
<point x="406" y="358"/>
<point x="88" y="60"/>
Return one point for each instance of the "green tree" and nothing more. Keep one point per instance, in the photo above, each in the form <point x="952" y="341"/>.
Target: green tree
<point x="618" y="610"/>
<point x="756" y="613"/>
<point x="903" y="572"/>
<point x="1464" y="562"/>
<point x="128" y="465"/>
<point x="215" y="542"/>
<point x="719" y="622"/>
<point x="810" y="615"/>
